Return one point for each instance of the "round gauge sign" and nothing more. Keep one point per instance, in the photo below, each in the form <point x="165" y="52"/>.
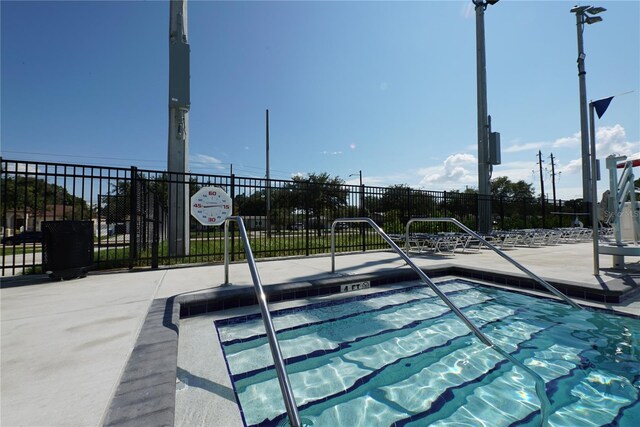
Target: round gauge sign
<point x="211" y="205"/>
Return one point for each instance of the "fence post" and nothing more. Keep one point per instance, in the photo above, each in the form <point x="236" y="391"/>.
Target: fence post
<point x="445" y="204"/>
<point x="306" y="218"/>
<point x="409" y="205"/>
<point x="362" y="211"/>
<point x="233" y="230"/>
<point x="133" y="217"/>
<point x="477" y="221"/>
<point x="155" y="239"/>
<point x="502" y="212"/>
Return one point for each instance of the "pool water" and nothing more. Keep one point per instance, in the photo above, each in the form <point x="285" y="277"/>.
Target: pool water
<point x="401" y="357"/>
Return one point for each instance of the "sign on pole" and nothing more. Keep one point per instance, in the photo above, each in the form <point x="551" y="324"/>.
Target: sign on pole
<point x="211" y="206"/>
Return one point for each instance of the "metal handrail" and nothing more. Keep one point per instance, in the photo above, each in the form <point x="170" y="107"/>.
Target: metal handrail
<point x="481" y="336"/>
<point x="278" y="362"/>
<point x="541" y="281"/>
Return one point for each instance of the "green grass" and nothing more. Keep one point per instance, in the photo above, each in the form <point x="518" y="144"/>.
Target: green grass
<point x="29" y="248"/>
<point x="212" y="249"/>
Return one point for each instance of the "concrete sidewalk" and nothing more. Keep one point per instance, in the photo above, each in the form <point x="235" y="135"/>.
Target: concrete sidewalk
<point x="65" y="344"/>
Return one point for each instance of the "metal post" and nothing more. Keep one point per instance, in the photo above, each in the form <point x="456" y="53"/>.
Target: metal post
<point x="226" y="253"/>
<point x="268" y="189"/>
<point x="594" y="194"/>
<point x="178" y="151"/>
<point x="586" y="175"/>
<point x="233" y="230"/>
<point x="484" y="168"/>
<point x="584" y="15"/>
<point x="133" y="217"/>
<point x="155" y="239"/>
<point x="364" y="246"/>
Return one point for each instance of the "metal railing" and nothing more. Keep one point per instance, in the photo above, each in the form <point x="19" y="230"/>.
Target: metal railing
<point x="481" y="336"/>
<point x="515" y="263"/>
<point x="278" y="362"/>
<point x="539" y="381"/>
<point x="130" y="210"/>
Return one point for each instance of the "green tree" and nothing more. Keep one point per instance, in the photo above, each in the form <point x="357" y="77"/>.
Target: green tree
<point x="504" y="187"/>
<point x="398" y="203"/>
<point x="317" y="195"/>
<point x="253" y="204"/>
<point x="37" y="196"/>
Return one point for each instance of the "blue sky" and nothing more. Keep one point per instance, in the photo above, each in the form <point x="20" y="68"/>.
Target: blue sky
<point x="388" y="88"/>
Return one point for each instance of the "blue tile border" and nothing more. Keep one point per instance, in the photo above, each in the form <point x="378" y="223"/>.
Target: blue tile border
<point x="233" y="297"/>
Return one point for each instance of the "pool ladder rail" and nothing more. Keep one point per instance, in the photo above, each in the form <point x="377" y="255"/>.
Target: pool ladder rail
<point x="274" y="346"/>
<point x="276" y="353"/>
<point x="540" y="386"/>
<point x="515" y="263"/>
<point x="481" y="336"/>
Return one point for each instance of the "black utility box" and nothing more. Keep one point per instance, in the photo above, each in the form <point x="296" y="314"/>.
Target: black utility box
<point x="67" y="248"/>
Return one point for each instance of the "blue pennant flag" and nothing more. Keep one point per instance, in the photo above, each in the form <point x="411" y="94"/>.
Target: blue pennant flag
<point x="601" y="105"/>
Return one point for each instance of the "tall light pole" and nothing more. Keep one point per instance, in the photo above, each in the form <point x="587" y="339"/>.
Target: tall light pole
<point x="484" y="158"/>
<point x="583" y="16"/>
<point x="178" y="153"/>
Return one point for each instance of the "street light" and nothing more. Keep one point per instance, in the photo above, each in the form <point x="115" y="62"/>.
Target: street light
<point x="584" y="16"/>
<point x="486" y="160"/>
<point x="360" y="174"/>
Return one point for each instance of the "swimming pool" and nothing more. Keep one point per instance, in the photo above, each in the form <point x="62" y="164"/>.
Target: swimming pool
<point x="400" y="357"/>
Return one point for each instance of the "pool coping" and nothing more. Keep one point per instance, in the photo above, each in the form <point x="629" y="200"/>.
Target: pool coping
<point x="615" y="291"/>
<point x="146" y="391"/>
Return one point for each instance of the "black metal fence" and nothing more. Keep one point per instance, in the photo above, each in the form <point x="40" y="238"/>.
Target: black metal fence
<point x="129" y="208"/>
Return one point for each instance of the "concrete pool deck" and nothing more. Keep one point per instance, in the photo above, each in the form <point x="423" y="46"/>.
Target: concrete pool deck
<point x="65" y="345"/>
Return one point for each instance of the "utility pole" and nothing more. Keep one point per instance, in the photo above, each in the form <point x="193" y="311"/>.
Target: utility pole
<point x="178" y="153"/>
<point x="486" y="156"/>
<point x="553" y="180"/>
<point x="542" y="201"/>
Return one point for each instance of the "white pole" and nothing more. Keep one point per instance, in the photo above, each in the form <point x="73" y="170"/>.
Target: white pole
<point x="594" y="193"/>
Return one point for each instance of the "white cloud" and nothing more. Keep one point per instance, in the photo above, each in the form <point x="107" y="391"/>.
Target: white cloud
<point x="613" y="140"/>
<point x="515" y="148"/>
<point x="515" y="171"/>
<point x="384" y="180"/>
<point x="609" y="140"/>
<point x="574" y="166"/>
<point x="204" y="161"/>
<point x="456" y="171"/>
<point x="568" y="141"/>
<point x="331" y="153"/>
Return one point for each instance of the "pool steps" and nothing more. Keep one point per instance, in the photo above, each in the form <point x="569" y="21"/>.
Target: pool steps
<point x="476" y="381"/>
<point x="413" y="341"/>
